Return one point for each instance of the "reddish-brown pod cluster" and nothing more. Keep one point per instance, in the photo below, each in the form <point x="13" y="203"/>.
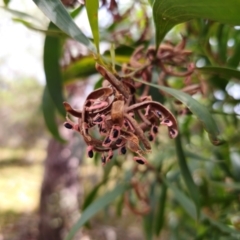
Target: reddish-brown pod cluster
<point x="114" y="117"/>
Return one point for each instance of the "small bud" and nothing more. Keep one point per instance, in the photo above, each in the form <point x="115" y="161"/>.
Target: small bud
<point x="68" y="125"/>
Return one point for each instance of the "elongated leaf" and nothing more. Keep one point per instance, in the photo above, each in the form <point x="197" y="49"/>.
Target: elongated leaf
<point x="56" y="33"/>
<point x="234" y="60"/>
<point x="76" y="11"/>
<point x="168" y="13"/>
<point x="192" y="188"/>
<point x="20" y="14"/>
<point x="149" y="218"/>
<point x="49" y="114"/>
<point x="189" y="207"/>
<point x="51" y="56"/>
<point x="96" y="206"/>
<point x="184" y="201"/>
<point x="81" y="68"/>
<point x="196" y="108"/>
<point x="226" y="72"/>
<point x="92" y="12"/>
<point x="91" y="196"/>
<point x="57" y="13"/>
<point x="6" y="2"/>
<point x="159" y="221"/>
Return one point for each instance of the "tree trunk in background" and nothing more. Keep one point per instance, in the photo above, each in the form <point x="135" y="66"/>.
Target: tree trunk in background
<point x="60" y="192"/>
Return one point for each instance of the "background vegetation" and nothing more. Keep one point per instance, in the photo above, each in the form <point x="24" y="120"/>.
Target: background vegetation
<point x="192" y="189"/>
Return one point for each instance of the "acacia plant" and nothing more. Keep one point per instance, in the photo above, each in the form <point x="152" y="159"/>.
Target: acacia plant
<point x="166" y="98"/>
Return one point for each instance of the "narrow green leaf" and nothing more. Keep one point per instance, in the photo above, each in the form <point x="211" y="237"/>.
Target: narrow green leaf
<point x="234" y="185"/>
<point x="159" y="220"/>
<point x="91" y="196"/>
<point x="223" y="227"/>
<point x="76" y="11"/>
<point x="189" y="207"/>
<point x="57" y="13"/>
<point x="149" y="218"/>
<point x="20" y="14"/>
<point x="51" y="56"/>
<point x="234" y="60"/>
<point x="96" y="206"/>
<point x="222" y="71"/>
<point x="6" y="2"/>
<point x="183" y="200"/>
<point x="49" y="114"/>
<point x="92" y="12"/>
<point x="168" y="13"/>
<point x="196" y="108"/>
<point x="113" y="57"/>
<point x="81" y="68"/>
<point x="56" y="33"/>
<point x="151" y="2"/>
<point x="192" y="188"/>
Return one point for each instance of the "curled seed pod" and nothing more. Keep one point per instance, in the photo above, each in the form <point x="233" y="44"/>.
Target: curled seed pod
<point x="117" y="112"/>
<point x="72" y="111"/>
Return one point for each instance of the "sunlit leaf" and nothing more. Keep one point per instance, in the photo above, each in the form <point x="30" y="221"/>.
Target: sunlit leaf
<point x="192" y="188"/>
<point x="196" y="108"/>
<point x="96" y="206"/>
<point x="168" y="13"/>
<point x="92" y="12"/>
<point x="49" y="114"/>
<point x="57" y="13"/>
<point x="51" y="56"/>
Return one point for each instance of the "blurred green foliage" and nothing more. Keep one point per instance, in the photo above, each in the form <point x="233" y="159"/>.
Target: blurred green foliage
<point x="193" y="187"/>
<point x="20" y="113"/>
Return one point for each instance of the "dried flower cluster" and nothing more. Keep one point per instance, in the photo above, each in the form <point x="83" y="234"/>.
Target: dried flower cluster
<point x="122" y="119"/>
